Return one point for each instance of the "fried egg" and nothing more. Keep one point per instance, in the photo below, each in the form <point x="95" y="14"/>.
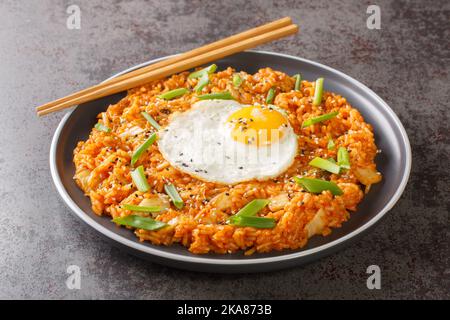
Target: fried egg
<point x="223" y="141"/>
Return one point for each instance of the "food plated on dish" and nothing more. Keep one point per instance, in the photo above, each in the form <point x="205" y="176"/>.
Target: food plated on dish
<point x="222" y="161"/>
<point x="243" y="159"/>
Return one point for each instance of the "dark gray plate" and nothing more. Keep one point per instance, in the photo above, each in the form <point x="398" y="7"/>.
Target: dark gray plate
<point x="394" y="163"/>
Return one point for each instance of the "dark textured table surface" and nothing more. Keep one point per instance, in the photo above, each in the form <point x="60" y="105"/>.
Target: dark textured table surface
<point x="406" y="62"/>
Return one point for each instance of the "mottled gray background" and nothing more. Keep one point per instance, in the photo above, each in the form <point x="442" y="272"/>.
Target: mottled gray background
<point x="406" y="63"/>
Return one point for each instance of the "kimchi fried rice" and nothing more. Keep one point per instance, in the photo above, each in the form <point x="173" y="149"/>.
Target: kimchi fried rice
<point x="201" y="218"/>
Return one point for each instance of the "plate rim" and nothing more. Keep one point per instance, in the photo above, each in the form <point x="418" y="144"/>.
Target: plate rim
<point x="199" y="260"/>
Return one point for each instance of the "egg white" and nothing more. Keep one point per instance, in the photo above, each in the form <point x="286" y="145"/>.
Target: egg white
<point x="199" y="143"/>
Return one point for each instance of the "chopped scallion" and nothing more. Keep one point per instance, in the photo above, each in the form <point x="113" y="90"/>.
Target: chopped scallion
<point x="270" y="95"/>
<point x="318" y="185"/>
<point x="255" y="222"/>
<point x="298" y="82"/>
<point x="204" y="80"/>
<point x="141" y="208"/>
<point x="237" y="80"/>
<point x="219" y="96"/>
<point x="139" y="222"/>
<point x="330" y="144"/>
<point x="318" y="119"/>
<point x="325" y="165"/>
<point x="208" y="70"/>
<point x="253" y="207"/>
<point x="318" y="91"/>
<point x="174" y="196"/>
<point x="150" y="119"/>
<point x="139" y="179"/>
<point x="140" y="150"/>
<point x="101" y="127"/>
<point x="343" y="158"/>
<point x="172" y="94"/>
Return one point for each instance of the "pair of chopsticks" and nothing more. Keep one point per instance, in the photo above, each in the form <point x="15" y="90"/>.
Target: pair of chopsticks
<point x="190" y="59"/>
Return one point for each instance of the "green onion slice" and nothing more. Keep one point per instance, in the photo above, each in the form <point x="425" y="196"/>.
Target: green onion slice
<point x="140" y="150"/>
<point x="325" y="165"/>
<point x="220" y="96"/>
<point x="141" y="208"/>
<point x="237" y="80"/>
<point x="208" y="70"/>
<point x="343" y="158"/>
<point x="175" y="93"/>
<point x="139" y="222"/>
<point x="332" y="160"/>
<point x="270" y="95"/>
<point x="318" y="91"/>
<point x="174" y="196"/>
<point x="150" y="119"/>
<point x="253" y="207"/>
<point x="139" y="179"/>
<point x="318" y="119"/>
<point x="330" y="144"/>
<point x="318" y="185"/>
<point x="255" y="222"/>
<point x="101" y="127"/>
<point x="298" y="82"/>
<point x="204" y="80"/>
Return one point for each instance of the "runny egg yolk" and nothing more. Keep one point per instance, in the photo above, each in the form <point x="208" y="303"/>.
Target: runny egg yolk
<point x="257" y="125"/>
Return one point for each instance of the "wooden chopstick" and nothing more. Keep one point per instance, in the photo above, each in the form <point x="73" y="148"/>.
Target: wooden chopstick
<point x="121" y="85"/>
<point x="209" y="47"/>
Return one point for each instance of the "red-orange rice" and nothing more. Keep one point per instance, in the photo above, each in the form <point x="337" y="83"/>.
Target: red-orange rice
<point x="103" y="167"/>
